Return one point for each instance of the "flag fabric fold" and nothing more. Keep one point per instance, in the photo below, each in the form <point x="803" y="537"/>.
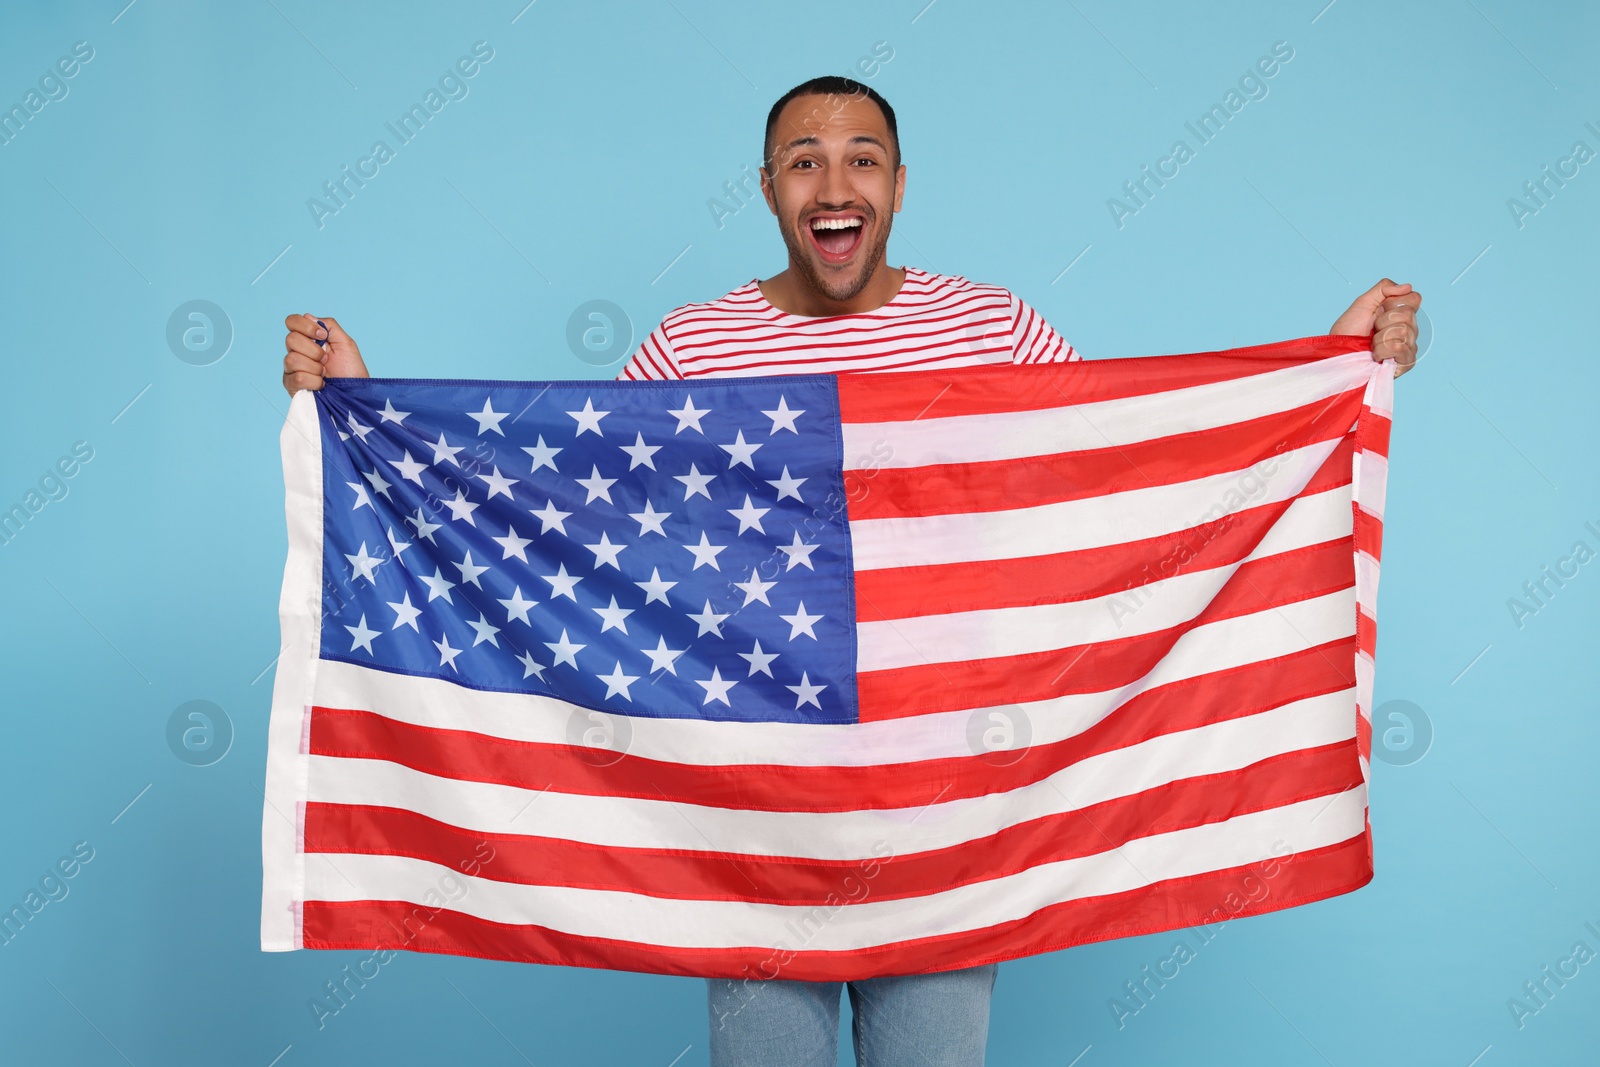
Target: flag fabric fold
<point x="825" y="677"/>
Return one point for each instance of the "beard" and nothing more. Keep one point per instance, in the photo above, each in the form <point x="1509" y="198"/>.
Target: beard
<point x="802" y="254"/>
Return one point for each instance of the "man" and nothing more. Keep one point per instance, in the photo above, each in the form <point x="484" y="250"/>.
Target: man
<point x="834" y="179"/>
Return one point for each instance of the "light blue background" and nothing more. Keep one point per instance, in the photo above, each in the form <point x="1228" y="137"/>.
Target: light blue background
<point x="579" y="168"/>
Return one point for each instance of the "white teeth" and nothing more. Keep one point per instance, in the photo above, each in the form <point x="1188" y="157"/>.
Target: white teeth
<point x="834" y="224"/>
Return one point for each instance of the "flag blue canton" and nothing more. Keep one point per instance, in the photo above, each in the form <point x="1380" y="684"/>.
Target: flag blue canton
<point x="638" y="548"/>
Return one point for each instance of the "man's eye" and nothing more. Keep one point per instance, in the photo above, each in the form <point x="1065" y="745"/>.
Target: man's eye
<point x="868" y="162"/>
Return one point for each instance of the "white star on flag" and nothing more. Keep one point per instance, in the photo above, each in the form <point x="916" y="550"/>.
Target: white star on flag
<point x="749" y="517"/>
<point x="438" y="586"/>
<point x="566" y="651"/>
<point x="650" y="519"/>
<point x="705" y="553"/>
<point x="389" y="414"/>
<point x="363" y="564"/>
<point x="716" y="688"/>
<point x="755" y="589"/>
<point x="689" y="415"/>
<point x="497" y="484"/>
<point x="513" y="545"/>
<point x="799" y="553"/>
<point x="640" y="454"/>
<point x="617" y="682"/>
<point x="694" y="482"/>
<point x="805" y="692"/>
<point x="444" y="452"/>
<point x="783" y="416"/>
<point x="516" y="607"/>
<point x="588" y="419"/>
<point x="543" y="455"/>
<point x="488" y="419"/>
<point x="461" y="508"/>
<point x="379" y="486"/>
<point x="469" y="570"/>
<point x="801" y="623"/>
<point x="409" y="468"/>
<point x="709" y="621"/>
<point x="363" y="636"/>
<point x="404" y="613"/>
<point x="740" y="452"/>
<point x="361" y="496"/>
<point x="423" y="527"/>
<point x="614" y="618"/>
<point x="550" y="518"/>
<point x="396" y="546"/>
<point x="787" y="486"/>
<point x="759" y="660"/>
<point x="447" y="655"/>
<point x="662" y="658"/>
<point x="356" y="428"/>
<point x="530" y="666"/>
<point x="563" y="584"/>
<point x="599" y="488"/>
<point x="656" y="589"/>
<point x="484" y="630"/>
<point x="605" y="553"/>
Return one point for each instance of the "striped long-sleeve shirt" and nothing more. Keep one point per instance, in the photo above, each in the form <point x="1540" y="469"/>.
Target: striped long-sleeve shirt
<point x="935" y="321"/>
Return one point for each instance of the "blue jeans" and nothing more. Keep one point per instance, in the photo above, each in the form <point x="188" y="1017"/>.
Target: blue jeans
<point x="917" y="1020"/>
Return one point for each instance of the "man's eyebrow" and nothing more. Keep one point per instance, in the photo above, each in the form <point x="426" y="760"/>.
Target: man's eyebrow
<point x="860" y="138"/>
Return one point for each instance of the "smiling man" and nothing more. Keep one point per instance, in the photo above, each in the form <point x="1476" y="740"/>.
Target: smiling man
<point x="834" y="179"/>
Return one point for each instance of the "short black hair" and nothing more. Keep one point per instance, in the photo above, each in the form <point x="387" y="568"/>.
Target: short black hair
<point x="831" y="84"/>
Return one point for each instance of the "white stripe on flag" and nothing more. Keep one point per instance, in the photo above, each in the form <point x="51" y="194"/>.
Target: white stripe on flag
<point x="837" y="835"/>
<point x="1103" y="424"/>
<point x="1074" y="525"/>
<point x="1242" y="840"/>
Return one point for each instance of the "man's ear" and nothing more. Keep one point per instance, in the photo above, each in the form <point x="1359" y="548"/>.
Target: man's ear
<point x="768" y="191"/>
<point x="899" y="185"/>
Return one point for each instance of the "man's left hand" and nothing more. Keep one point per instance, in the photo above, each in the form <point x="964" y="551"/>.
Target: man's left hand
<point x="1387" y="313"/>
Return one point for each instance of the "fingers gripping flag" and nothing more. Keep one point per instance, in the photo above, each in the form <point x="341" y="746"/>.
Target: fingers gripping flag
<point x="825" y="677"/>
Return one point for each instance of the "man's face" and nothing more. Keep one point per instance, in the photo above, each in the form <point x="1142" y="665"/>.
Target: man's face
<point x="833" y="189"/>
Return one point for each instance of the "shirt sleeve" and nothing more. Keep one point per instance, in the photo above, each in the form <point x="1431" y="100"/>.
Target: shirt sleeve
<point x="654" y="361"/>
<point x="1032" y="339"/>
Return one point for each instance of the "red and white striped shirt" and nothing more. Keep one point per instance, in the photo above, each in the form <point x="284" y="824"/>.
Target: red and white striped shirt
<point x="935" y="321"/>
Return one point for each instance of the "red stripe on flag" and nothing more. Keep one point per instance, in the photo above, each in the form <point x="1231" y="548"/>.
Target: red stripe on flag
<point x="1372" y="433"/>
<point x="1006" y="484"/>
<point x="463" y="755"/>
<point x="1217" y="896"/>
<point x="677" y="874"/>
<point x="1007" y="387"/>
<point x="1366" y="634"/>
<point x="1368" y="530"/>
<point x="1091" y="668"/>
<point x="905" y="592"/>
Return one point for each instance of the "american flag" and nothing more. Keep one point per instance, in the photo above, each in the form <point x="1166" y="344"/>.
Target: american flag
<point x="825" y="677"/>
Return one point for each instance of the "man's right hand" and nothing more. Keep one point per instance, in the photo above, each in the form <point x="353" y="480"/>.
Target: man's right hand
<point x="306" y="364"/>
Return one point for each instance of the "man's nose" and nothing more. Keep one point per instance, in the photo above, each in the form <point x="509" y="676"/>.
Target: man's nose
<point x="836" y="190"/>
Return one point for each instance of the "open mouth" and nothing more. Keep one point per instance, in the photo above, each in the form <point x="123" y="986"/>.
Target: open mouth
<point x="837" y="237"/>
